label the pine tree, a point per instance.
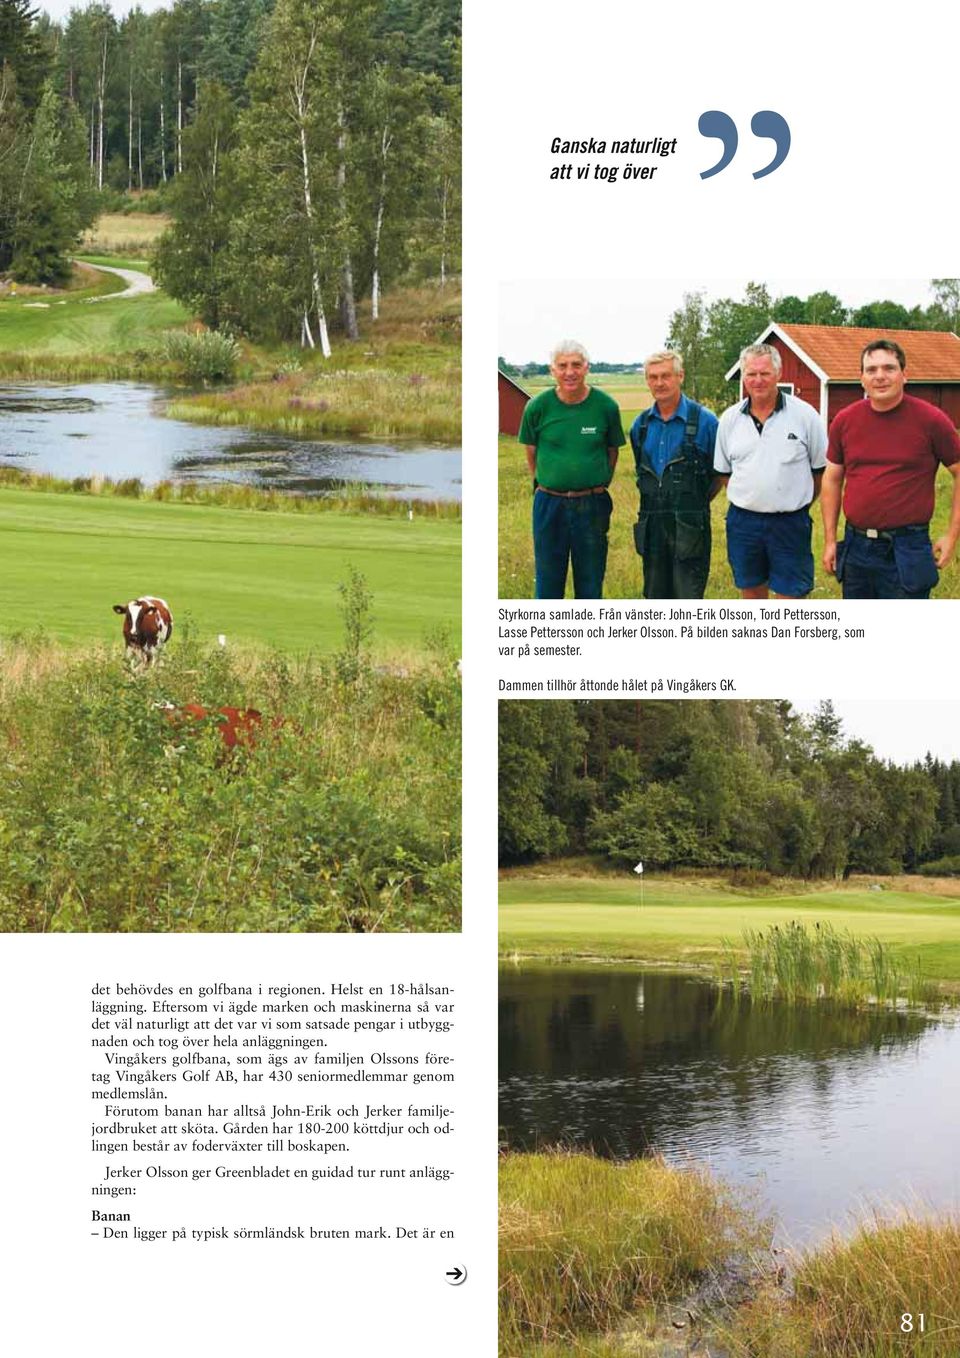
(192, 258)
(289, 247)
(22, 50)
(50, 198)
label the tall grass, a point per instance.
(800, 964)
(585, 1243)
(623, 577)
(342, 817)
(126, 232)
(348, 498)
(32, 366)
(401, 379)
(373, 401)
(850, 1297)
(201, 356)
(590, 1252)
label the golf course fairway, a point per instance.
(686, 922)
(262, 578)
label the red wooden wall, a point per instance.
(806, 384)
(512, 403)
(944, 395)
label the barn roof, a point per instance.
(932, 355)
(833, 351)
(502, 375)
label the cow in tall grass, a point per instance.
(147, 627)
(239, 728)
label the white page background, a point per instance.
(867, 192)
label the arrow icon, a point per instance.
(455, 1276)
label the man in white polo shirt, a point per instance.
(771, 451)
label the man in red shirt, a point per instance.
(883, 459)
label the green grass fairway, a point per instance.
(685, 923)
(261, 578)
(73, 328)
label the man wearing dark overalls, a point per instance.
(673, 446)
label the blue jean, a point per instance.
(898, 567)
(570, 532)
(771, 549)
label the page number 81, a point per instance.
(765, 124)
(907, 1323)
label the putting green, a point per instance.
(689, 922)
(261, 577)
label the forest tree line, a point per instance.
(718, 784)
(309, 150)
(711, 335)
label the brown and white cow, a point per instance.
(237, 726)
(147, 626)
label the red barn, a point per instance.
(512, 401)
(821, 364)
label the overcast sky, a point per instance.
(901, 731)
(59, 9)
(620, 321)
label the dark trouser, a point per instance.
(771, 549)
(570, 531)
(675, 549)
(897, 566)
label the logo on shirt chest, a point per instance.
(589, 429)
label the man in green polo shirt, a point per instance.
(572, 435)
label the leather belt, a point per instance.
(572, 494)
(887, 534)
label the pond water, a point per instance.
(825, 1115)
(118, 430)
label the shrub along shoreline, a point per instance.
(617, 1259)
(589, 1247)
(400, 380)
(347, 499)
(374, 402)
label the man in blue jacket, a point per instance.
(673, 443)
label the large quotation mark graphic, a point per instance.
(719, 125)
(765, 124)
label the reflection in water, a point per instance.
(117, 430)
(825, 1112)
(19, 403)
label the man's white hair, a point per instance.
(762, 351)
(568, 346)
(666, 356)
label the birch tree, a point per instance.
(291, 133)
(102, 31)
(442, 222)
(349, 34)
(135, 41)
(184, 29)
(396, 131)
